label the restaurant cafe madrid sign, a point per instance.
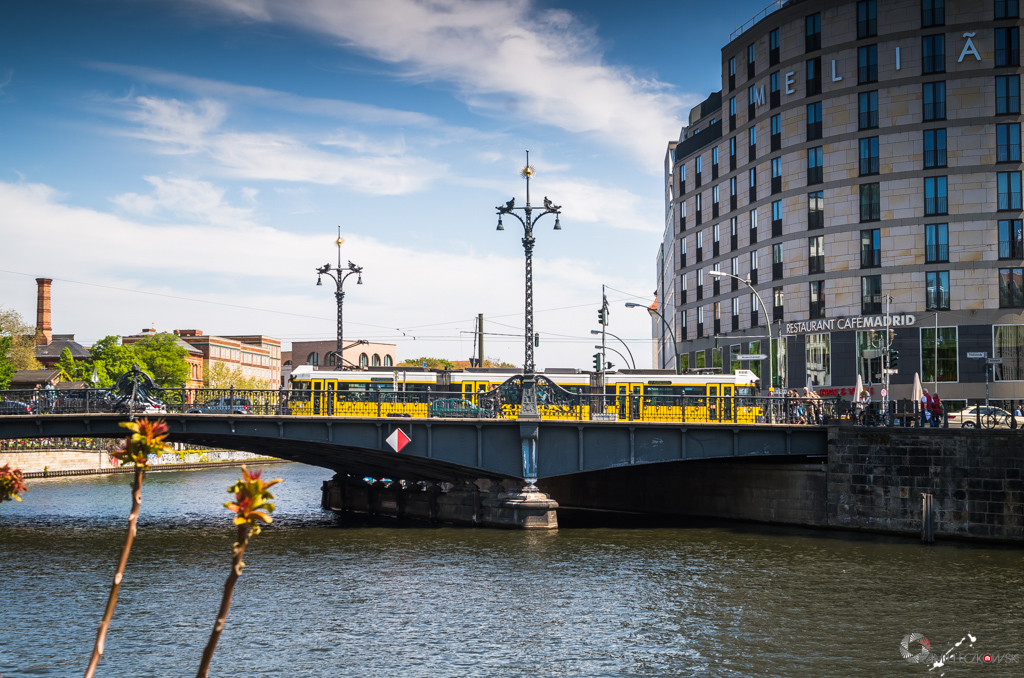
(856, 322)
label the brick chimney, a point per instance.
(44, 332)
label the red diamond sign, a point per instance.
(398, 440)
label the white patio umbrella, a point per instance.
(918, 389)
(858, 388)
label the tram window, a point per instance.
(745, 391)
(694, 390)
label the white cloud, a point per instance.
(504, 57)
(8, 76)
(231, 260)
(361, 165)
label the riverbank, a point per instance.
(156, 468)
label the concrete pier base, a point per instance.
(483, 502)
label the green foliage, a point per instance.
(251, 505)
(73, 371)
(20, 352)
(432, 363)
(6, 368)
(12, 484)
(220, 375)
(112, 359)
(146, 438)
(164, 359)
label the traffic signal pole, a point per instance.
(604, 325)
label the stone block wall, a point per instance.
(35, 461)
(875, 479)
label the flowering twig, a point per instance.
(147, 437)
(12, 483)
(251, 507)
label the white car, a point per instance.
(989, 416)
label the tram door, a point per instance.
(470, 389)
(628, 397)
(318, 396)
(727, 403)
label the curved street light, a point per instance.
(723, 274)
(528, 410)
(339, 275)
(631, 358)
(655, 312)
(616, 350)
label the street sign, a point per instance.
(752, 356)
(892, 370)
(977, 354)
(995, 361)
(397, 440)
(884, 392)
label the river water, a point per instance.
(320, 597)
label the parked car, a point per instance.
(455, 407)
(225, 405)
(989, 416)
(14, 407)
(84, 400)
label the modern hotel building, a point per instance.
(861, 168)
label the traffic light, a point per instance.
(609, 366)
(894, 358)
(602, 316)
(536, 338)
(597, 362)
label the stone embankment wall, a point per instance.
(35, 461)
(876, 477)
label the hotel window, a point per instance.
(734, 269)
(1007, 94)
(871, 295)
(936, 291)
(813, 77)
(934, 148)
(819, 359)
(1007, 9)
(1008, 46)
(816, 210)
(733, 233)
(871, 248)
(714, 202)
(816, 254)
(938, 352)
(814, 121)
(1008, 187)
(868, 108)
(732, 153)
(778, 304)
(755, 308)
(777, 262)
(714, 239)
(1011, 239)
(934, 97)
(773, 47)
(933, 54)
(714, 162)
(700, 284)
(698, 213)
(732, 74)
(753, 267)
(751, 59)
(753, 185)
(752, 142)
(812, 34)
(700, 246)
(870, 202)
(935, 195)
(817, 309)
(815, 173)
(869, 356)
(776, 218)
(776, 132)
(735, 308)
(1008, 344)
(869, 156)
(867, 19)
(716, 283)
(1008, 142)
(776, 175)
(753, 226)
(936, 243)
(933, 13)
(732, 113)
(1011, 288)
(775, 97)
(867, 64)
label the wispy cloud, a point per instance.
(503, 56)
(191, 199)
(6, 80)
(365, 166)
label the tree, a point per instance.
(432, 363)
(164, 359)
(222, 376)
(111, 359)
(20, 352)
(6, 368)
(73, 371)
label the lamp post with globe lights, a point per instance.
(339, 275)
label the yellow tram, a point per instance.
(632, 395)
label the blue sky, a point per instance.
(191, 162)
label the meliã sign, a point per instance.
(856, 322)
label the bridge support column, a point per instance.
(483, 503)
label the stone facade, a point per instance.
(973, 255)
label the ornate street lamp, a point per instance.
(339, 275)
(656, 312)
(528, 410)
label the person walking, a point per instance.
(936, 410)
(926, 406)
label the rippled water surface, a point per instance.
(323, 598)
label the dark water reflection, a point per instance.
(322, 599)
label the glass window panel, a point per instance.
(938, 352)
(869, 355)
(1008, 344)
(819, 359)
